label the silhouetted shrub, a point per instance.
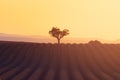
(94, 42)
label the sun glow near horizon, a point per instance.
(84, 18)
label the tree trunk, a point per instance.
(58, 41)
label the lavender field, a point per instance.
(37, 61)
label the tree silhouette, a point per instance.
(57, 33)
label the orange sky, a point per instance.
(84, 18)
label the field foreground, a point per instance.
(33, 61)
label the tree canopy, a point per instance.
(57, 33)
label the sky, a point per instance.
(84, 18)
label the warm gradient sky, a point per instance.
(84, 18)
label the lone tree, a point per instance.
(57, 33)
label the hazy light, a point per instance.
(84, 18)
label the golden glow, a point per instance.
(84, 18)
